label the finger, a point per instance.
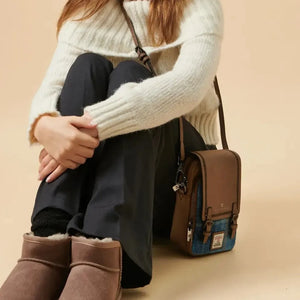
(48, 169)
(87, 115)
(45, 161)
(67, 163)
(43, 153)
(77, 159)
(87, 140)
(85, 151)
(81, 121)
(56, 173)
(90, 131)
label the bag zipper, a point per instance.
(189, 235)
(193, 202)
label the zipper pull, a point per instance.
(189, 231)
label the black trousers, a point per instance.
(125, 190)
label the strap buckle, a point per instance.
(233, 223)
(143, 56)
(207, 227)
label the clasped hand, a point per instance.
(68, 141)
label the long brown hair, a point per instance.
(164, 16)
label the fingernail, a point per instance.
(93, 122)
(48, 178)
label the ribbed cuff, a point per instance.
(117, 114)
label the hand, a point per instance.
(91, 131)
(49, 165)
(70, 140)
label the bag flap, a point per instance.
(221, 179)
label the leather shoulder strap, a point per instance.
(143, 56)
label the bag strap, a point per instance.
(143, 57)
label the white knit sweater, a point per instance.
(185, 68)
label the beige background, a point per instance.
(260, 86)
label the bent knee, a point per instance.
(129, 64)
(91, 59)
(131, 68)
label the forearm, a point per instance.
(147, 104)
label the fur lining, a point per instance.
(104, 240)
(56, 236)
(59, 236)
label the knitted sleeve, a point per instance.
(45, 99)
(152, 102)
(159, 99)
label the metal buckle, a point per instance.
(180, 178)
(142, 54)
(138, 48)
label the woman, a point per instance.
(110, 136)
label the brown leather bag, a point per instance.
(207, 186)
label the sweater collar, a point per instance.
(107, 32)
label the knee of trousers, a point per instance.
(131, 67)
(88, 60)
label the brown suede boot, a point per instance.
(96, 269)
(42, 270)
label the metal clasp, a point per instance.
(180, 179)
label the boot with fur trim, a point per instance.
(95, 270)
(42, 270)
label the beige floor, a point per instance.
(259, 81)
